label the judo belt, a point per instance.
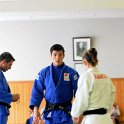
(58, 106)
(100, 111)
(5, 104)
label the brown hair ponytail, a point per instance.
(91, 56)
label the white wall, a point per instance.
(30, 41)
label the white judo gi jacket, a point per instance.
(95, 90)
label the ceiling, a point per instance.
(60, 9)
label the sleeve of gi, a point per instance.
(74, 78)
(112, 96)
(5, 96)
(37, 91)
(81, 100)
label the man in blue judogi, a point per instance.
(56, 83)
(6, 61)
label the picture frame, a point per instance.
(80, 45)
(79, 68)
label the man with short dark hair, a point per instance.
(57, 83)
(6, 61)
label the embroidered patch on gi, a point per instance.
(66, 77)
(75, 77)
(100, 76)
(49, 115)
(37, 78)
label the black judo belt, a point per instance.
(100, 111)
(58, 106)
(5, 104)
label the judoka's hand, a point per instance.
(41, 122)
(78, 120)
(34, 122)
(38, 122)
(15, 97)
(36, 114)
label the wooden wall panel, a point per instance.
(119, 96)
(20, 111)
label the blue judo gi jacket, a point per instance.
(44, 87)
(5, 99)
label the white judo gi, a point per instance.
(95, 90)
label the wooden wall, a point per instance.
(119, 96)
(20, 111)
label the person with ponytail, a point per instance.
(95, 93)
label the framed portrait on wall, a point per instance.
(80, 45)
